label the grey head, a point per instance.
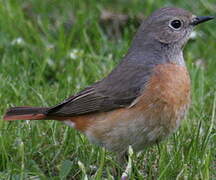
(162, 36)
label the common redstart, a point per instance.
(143, 100)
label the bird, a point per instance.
(143, 99)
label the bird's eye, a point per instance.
(175, 24)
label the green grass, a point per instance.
(36, 38)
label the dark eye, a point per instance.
(175, 24)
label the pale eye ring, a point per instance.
(175, 24)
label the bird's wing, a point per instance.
(88, 101)
(118, 90)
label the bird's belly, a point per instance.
(138, 129)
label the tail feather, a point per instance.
(25, 113)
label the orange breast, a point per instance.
(167, 94)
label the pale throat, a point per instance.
(173, 54)
(178, 59)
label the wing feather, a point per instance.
(117, 90)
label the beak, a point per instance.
(201, 19)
